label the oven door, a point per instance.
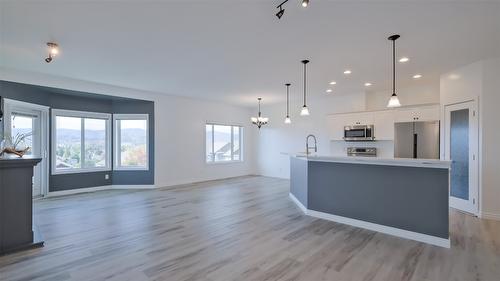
(358, 133)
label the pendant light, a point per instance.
(287, 118)
(394, 100)
(305, 110)
(259, 121)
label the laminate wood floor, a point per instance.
(237, 229)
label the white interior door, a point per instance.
(461, 147)
(23, 118)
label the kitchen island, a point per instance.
(401, 197)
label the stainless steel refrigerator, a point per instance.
(416, 140)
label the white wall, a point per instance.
(422, 92)
(277, 139)
(480, 81)
(180, 140)
(179, 128)
(490, 176)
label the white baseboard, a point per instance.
(433, 240)
(298, 203)
(77, 190)
(125, 186)
(490, 216)
(97, 188)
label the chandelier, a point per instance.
(259, 121)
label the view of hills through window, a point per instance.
(133, 138)
(23, 125)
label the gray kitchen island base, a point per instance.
(407, 199)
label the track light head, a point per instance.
(53, 51)
(305, 3)
(280, 13)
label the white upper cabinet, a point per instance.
(363, 118)
(336, 125)
(337, 122)
(383, 122)
(425, 113)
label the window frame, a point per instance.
(117, 140)
(240, 138)
(83, 115)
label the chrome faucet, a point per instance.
(307, 144)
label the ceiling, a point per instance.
(235, 51)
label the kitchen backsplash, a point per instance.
(385, 149)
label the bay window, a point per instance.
(131, 136)
(81, 141)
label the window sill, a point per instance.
(79, 171)
(225, 162)
(143, 169)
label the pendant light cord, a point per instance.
(259, 106)
(394, 67)
(305, 83)
(287, 100)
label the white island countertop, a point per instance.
(407, 162)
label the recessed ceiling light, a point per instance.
(417, 76)
(305, 3)
(329, 90)
(404, 59)
(368, 84)
(347, 72)
(333, 83)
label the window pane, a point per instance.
(208, 143)
(133, 140)
(95, 143)
(68, 142)
(22, 125)
(222, 143)
(236, 143)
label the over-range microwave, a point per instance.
(359, 133)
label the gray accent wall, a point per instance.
(82, 101)
(409, 198)
(137, 177)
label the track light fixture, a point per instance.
(53, 51)
(280, 13)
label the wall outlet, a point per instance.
(106, 176)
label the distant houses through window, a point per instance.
(223, 143)
(81, 141)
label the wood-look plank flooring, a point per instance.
(237, 229)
